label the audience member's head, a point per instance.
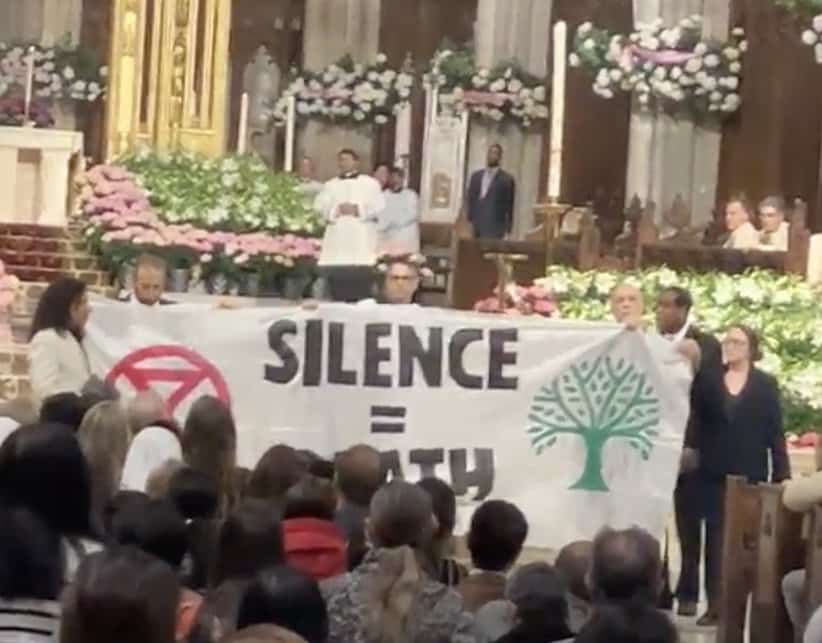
(400, 282)
(628, 623)
(67, 409)
(311, 497)
(150, 279)
(43, 468)
(104, 439)
(625, 566)
(444, 502)
(539, 594)
(263, 634)
(280, 468)
(210, 443)
(152, 447)
(122, 501)
(30, 557)
(772, 213)
(496, 536)
(155, 527)
(241, 479)
(401, 514)
(123, 595)
(672, 309)
(144, 409)
(194, 493)
(19, 409)
(627, 305)
(159, 481)
(359, 474)
(573, 562)
(63, 307)
(737, 213)
(251, 538)
(286, 597)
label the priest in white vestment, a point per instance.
(399, 222)
(350, 203)
(742, 235)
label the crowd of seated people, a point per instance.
(121, 525)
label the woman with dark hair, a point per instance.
(539, 594)
(122, 595)
(210, 445)
(286, 597)
(279, 469)
(444, 502)
(249, 540)
(43, 469)
(57, 358)
(31, 578)
(742, 416)
(393, 595)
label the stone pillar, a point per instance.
(332, 30)
(670, 156)
(520, 30)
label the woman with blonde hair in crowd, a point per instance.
(104, 438)
(393, 596)
(210, 445)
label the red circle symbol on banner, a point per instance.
(136, 369)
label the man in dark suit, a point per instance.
(149, 282)
(672, 316)
(490, 199)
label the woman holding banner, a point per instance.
(57, 357)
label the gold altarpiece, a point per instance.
(168, 76)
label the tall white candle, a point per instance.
(557, 109)
(242, 135)
(402, 140)
(290, 128)
(29, 82)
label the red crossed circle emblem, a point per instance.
(141, 370)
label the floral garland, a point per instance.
(505, 93)
(121, 222)
(60, 72)
(347, 92)
(521, 300)
(674, 68)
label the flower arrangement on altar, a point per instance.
(58, 73)
(346, 91)
(812, 37)
(672, 68)
(505, 93)
(785, 309)
(13, 112)
(9, 292)
(520, 300)
(123, 217)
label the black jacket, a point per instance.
(710, 370)
(493, 215)
(737, 441)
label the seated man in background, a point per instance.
(742, 235)
(774, 235)
(149, 282)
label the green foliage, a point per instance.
(785, 309)
(801, 7)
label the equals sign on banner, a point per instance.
(387, 419)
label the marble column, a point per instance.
(506, 30)
(334, 28)
(671, 156)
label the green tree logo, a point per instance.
(598, 401)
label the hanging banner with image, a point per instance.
(579, 424)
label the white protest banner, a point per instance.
(579, 424)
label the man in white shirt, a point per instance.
(149, 282)
(350, 204)
(742, 235)
(399, 222)
(774, 235)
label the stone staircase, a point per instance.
(37, 255)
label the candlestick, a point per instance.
(557, 109)
(242, 135)
(29, 84)
(290, 127)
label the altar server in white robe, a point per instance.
(399, 222)
(351, 203)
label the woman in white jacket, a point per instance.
(57, 358)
